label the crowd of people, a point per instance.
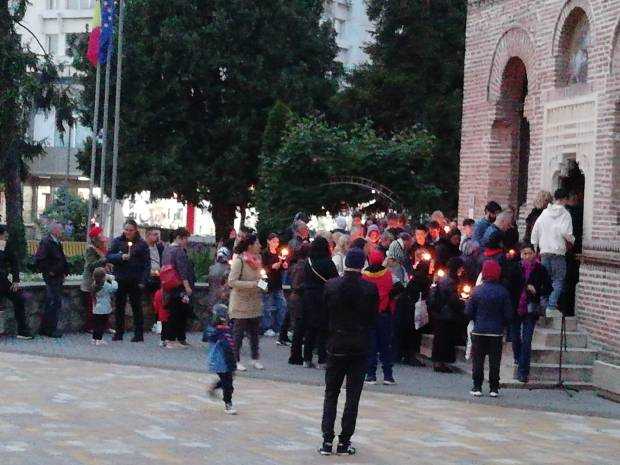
(345, 300)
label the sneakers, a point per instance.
(370, 380)
(229, 409)
(309, 365)
(258, 365)
(211, 393)
(327, 448)
(117, 337)
(389, 381)
(185, 343)
(345, 449)
(240, 367)
(476, 393)
(138, 338)
(270, 333)
(322, 366)
(494, 394)
(25, 335)
(282, 343)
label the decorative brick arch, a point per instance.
(614, 62)
(515, 42)
(568, 8)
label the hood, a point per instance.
(555, 211)
(491, 271)
(375, 258)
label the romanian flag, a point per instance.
(95, 31)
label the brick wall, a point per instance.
(538, 33)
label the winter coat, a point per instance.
(139, 263)
(103, 298)
(530, 221)
(480, 228)
(539, 279)
(51, 261)
(92, 260)
(444, 301)
(177, 257)
(220, 349)
(490, 308)
(245, 295)
(445, 250)
(8, 265)
(382, 278)
(352, 306)
(298, 276)
(313, 305)
(553, 228)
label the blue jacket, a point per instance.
(480, 228)
(490, 308)
(139, 264)
(220, 355)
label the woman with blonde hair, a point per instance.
(543, 199)
(340, 252)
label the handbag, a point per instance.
(420, 317)
(169, 278)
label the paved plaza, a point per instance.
(62, 411)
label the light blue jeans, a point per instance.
(274, 310)
(556, 267)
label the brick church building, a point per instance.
(541, 110)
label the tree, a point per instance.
(67, 207)
(312, 151)
(28, 82)
(415, 77)
(199, 79)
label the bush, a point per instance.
(202, 260)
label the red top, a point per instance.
(383, 280)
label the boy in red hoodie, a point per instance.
(381, 334)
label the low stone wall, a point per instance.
(606, 379)
(73, 314)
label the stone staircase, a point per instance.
(577, 359)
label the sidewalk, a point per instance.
(411, 381)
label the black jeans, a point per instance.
(251, 326)
(53, 304)
(18, 301)
(481, 347)
(286, 324)
(176, 326)
(129, 288)
(225, 383)
(354, 369)
(100, 323)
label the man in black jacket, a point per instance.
(352, 304)
(10, 290)
(52, 263)
(129, 254)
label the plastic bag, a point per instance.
(470, 329)
(420, 317)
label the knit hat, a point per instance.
(222, 255)
(491, 271)
(375, 257)
(371, 228)
(355, 259)
(95, 231)
(219, 314)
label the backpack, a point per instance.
(169, 278)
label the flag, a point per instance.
(95, 31)
(107, 29)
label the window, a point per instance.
(52, 4)
(61, 140)
(72, 42)
(79, 4)
(52, 43)
(81, 133)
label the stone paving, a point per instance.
(57, 411)
(411, 381)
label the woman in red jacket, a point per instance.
(381, 334)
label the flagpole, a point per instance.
(117, 109)
(104, 145)
(93, 151)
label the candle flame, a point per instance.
(441, 273)
(427, 256)
(284, 252)
(466, 289)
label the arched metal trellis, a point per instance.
(375, 187)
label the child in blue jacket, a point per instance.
(221, 356)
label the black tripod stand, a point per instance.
(563, 347)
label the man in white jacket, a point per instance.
(552, 234)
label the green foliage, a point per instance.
(69, 207)
(415, 78)
(202, 260)
(199, 79)
(312, 151)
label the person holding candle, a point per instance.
(129, 254)
(274, 303)
(447, 248)
(245, 297)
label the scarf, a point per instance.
(254, 261)
(527, 268)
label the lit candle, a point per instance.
(263, 274)
(427, 256)
(466, 289)
(446, 229)
(129, 244)
(283, 253)
(512, 252)
(441, 273)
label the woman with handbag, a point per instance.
(245, 305)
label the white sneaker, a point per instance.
(101, 342)
(240, 367)
(494, 394)
(476, 393)
(258, 365)
(229, 409)
(270, 333)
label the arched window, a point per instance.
(575, 44)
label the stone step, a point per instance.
(556, 323)
(575, 356)
(549, 372)
(532, 384)
(551, 338)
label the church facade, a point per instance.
(541, 110)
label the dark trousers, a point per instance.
(309, 337)
(354, 369)
(286, 324)
(129, 289)
(100, 324)
(176, 326)
(18, 301)
(523, 331)
(481, 347)
(406, 339)
(251, 327)
(445, 336)
(225, 383)
(87, 302)
(381, 343)
(53, 303)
